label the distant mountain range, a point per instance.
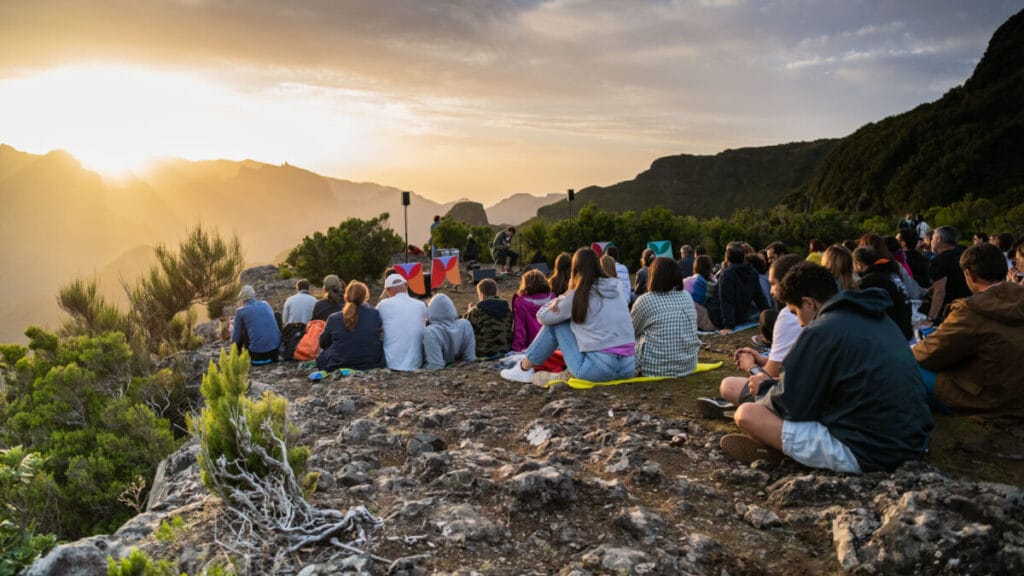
(971, 141)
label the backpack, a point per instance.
(290, 338)
(309, 346)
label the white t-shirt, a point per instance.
(403, 320)
(787, 328)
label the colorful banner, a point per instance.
(661, 248)
(600, 247)
(413, 274)
(445, 268)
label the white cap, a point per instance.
(393, 280)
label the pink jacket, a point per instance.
(524, 318)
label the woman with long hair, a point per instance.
(665, 324)
(646, 259)
(334, 297)
(351, 338)
(534, 292)
(560, 279)
(887, 261)
(588, 323)
(839, 262)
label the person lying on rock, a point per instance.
(969, 363)
(850, 398)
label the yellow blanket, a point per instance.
(586, 384)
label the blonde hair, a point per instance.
(839, 261)
(355, 294)
(608, 266)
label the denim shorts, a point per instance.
(811, 444)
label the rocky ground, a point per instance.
(473, 474)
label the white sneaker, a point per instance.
(517, 374)
(511, 359)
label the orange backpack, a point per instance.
(309, 346)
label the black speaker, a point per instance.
(542, 266)
(572, 194)
(405, 198)
(482, 273)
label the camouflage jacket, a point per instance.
(492, 324)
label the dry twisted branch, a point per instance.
(267, 518)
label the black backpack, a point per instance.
(291, 335)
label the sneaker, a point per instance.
(517, 374)
(511, 359)
(743, 448)
(714, 408)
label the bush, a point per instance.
(70, 402)
(138, 563)
(203, 270)
(355, 250)
(90, 313)
(224, 389)
(21, 482)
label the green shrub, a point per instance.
(355, 249)
(224, 388)
(71, 402)
(21, 483)
(203, 270)
(89, 311)
(19, 547)
(138, 563)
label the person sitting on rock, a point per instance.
(948, 283)
(298, 308)
(665, 324)
(559, 279)
(642, 275)
(850, 398)
(501, 249)
(403, 320)
(877, 272)
(472, 253)
(969, 362)
(255, 328)
(352, 337)
(686, 259)
(588, 324)
(334, 298)
(491, 318)
(447, 337)
(784, 329)
(534, 292)
(621, 272)
(740, 298)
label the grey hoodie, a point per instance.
(608, 322)
(447, 337)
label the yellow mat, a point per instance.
(580, 384)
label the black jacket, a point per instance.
(739, 292)
(851, 370)
(900, 311)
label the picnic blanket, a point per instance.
(580, 384)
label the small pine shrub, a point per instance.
(224, 387)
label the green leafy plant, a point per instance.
(224, 387)
(138, 563)
(355, 249)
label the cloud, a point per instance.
(670, 76)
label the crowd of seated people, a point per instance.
(857, 344)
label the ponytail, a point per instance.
(355, 294)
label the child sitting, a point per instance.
(491, 318)
(534, 292)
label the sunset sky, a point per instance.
(467, 99)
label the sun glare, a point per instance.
(115, 119)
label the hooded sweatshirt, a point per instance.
(739, 292)
(446, 337)
(852, 371)
(492, 323)
(975, 352)
(524, 318)
(608, 323)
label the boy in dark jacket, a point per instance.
(739, 292)
(851, 397)
(491, 318)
